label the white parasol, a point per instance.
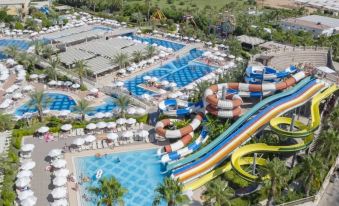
(131, 121)
(27, 165)
(55, 152)
(66, 127)
(101, 125)
(60, 163)
(25, 194)
(61, 173)
(90, 138)
(24, 173)
(22, 182)
(27, 147)
(78, 141)
(59, 192)
(59, 181)
(121, 121)
(112, 136)
(91, 126)
(43, 129)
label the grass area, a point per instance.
(200, 4)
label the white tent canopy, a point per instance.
(22, 182)
(60, 163)
(59, 181)
(28, 165)
(24, 173)
(78, 141)
(25, 194)
(27, 147)
(61, 173)
(55, 152)
(59, 192)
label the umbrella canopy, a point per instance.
(78, 141)
(173, 84)
(121, 121)
(91, 126)
(154, 79)
(127, 134)
(99, 115)
(25, 194)
(164, 82)
(28, 88)
(66, 127)
(112, 136)
(64, 112)
(90, 138)
(55, 152)
(43, 129)
(76, 86)
(22, 182)
(111, 124)
(119, 84)
(17, 95)
(140, 111)
(131, 110)
(27, 147)
(144, 133)
(61, 202)
(147, 78)
(61, 173)
(52, 83)
(60, 163)
(24, 173)
(59, 181)
(94, 90)
(101, 125)
(131, 121)
(29, 201)
(27, 165)
(59, 192)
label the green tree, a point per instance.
(137, 56)
(122, 103)
(278, 178)
(6, 121)
(150, 51)
(47, 51)
(312, 171)
(110, 192)
(52, 68)
(199, 91)
(12, 51)
(38, 47)
(234, 46)
(329, 144)
(82, 108)
(33, 60)
(170, 191)
(120, 59)
(39, 101)
(217, 193)
(80, 68)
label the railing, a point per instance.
(299, 201)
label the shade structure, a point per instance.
(119, 84)
(131, 110)
(154, 79)
(64, 112)
(43, 129)
(59, 192)
(91, 126)
(25, 194)
(146, 96)
(111, 124)
(61, 202)
(66, 127)
(108, 114)
(112, 136)
(164, 82)
(22, 182)
(146, 77)
(172, 84)
(59, 181)
(94, 90)
(61, 173)
(52, 83)
(131, 121)
(121, 121)
(60, 163)
(55, 153)
(33, 76)
(144, 133)
(68, 83)
(76, 86)
(17, 95)
(27, 165)
(99, 115)
(24, 173)
(29, 201)
(28, 88)
(78, 141)
(101, 125)
(90, 138)
(127, 134)
(27, 147)
(140, 111)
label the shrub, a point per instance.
(16, 140)
(13, 157)
(20, 124)
(232, 177)
(18, 25)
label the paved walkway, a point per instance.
(331, 195)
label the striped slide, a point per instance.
(258, 74)
(178, 108)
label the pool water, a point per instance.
(182, 71)
(138, 171)
(21, 44)
(108, 106)
(160, 42)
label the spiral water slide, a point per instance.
(178, 108)
(230, 105)
(258, 74)
(218, 154)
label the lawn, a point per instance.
(184, 3)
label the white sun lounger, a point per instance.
(94, 145)
(99, 144)
(104, 144)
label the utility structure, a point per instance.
(224, 26)
(189, 19)
(158, 15)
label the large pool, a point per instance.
(21, 44)
(60, 102)
(182, 71)
(138, 171)
(168, 44)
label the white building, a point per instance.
(14, 5)
(318, 25)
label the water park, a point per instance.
(97, 110)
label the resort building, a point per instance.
(249, 42)
(15, 5)
(317, 25)
(331, 6)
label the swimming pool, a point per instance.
(168, 44)
(138, 171)
(21, 44)
(181, 71)
(64, 102)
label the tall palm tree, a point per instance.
(6, 121)
(12, 51)
(312, 166)
(110, 192)
(278, 178)
(199, 91)
(150, 51)
(33, 60)
(23, 58)
(334, 117)
(217, 193)
(170, 191)
(38, 47)
(122, 103)
(120, 59)
(39, 101)
(51, 69)
(82, 108)
(329, 144)
(47, 51)
(81, 70)
(137, 56)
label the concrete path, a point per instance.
(331, 195)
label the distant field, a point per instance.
(199, 3)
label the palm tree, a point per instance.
(122, 103)
(24, 60)
(38, 47)
(329, 144)
(170, 191)
(137, 56)
(334, 117)
(81, 69)
(278, 178)
(110, 192)
(6, 121)
(12, 51)
(150, 51)
(312, 166)
(199, 91)
(51, 69)
(39, 101)
(47, 51)
(120, 59)
(217, 193)
(82, 108)
(33, 60)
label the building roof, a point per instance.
(250, 40)
(13, 2)
(305, 23)
(332, 5)
(324, 20)
(273, 45)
